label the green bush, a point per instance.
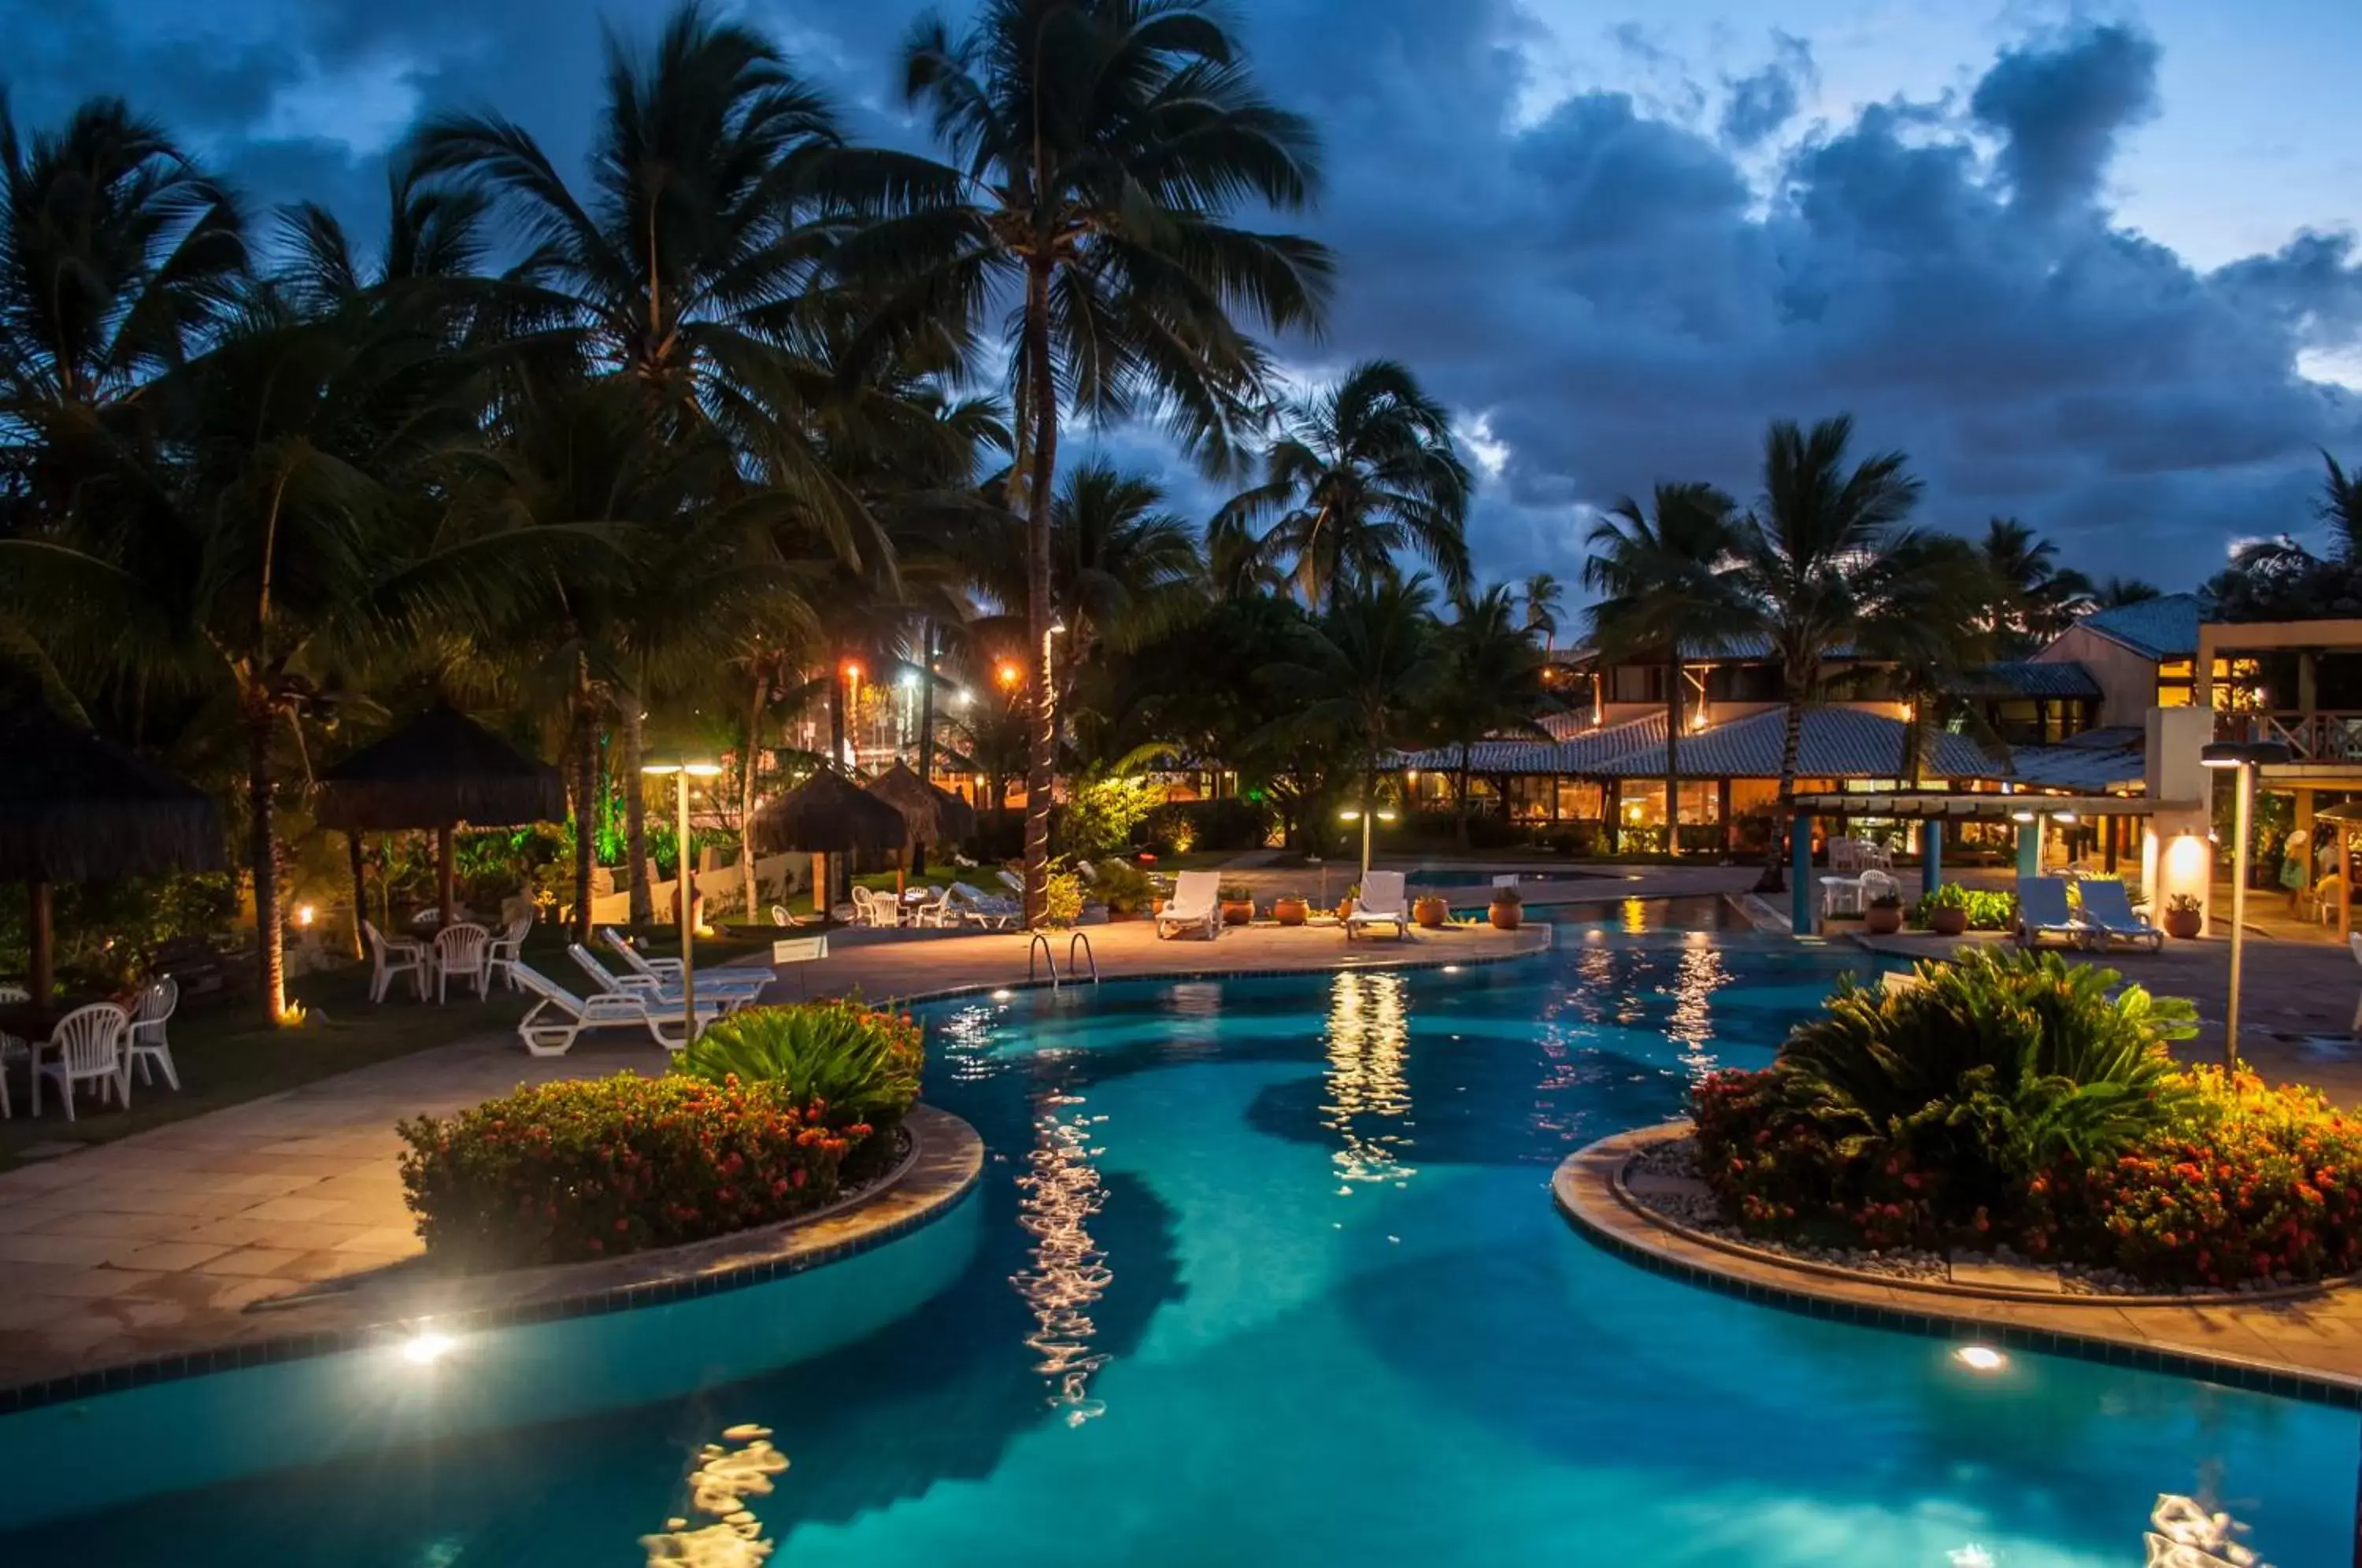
(1123, 887)
(1923, 1113)
(1180, 827)
(587, 1168)
(848, 1063)
(1994, 910)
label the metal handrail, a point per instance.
(1094, 957)
(1049, 959)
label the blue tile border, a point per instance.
(590, 1304)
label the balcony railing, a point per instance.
(2323, 736)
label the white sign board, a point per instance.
(799, 949)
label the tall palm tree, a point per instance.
(1822, 561)
(2118, 591)
(1098, 148)
(1495, 685)
(1545, 599)
(2033, 599)
(1667, 593)
(1366, 672)
(1359, 475)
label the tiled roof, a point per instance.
(1746, 646)
(1579, 751)
(2164, 627)
(1837, 743)
(2026, 678)
(2089, 770)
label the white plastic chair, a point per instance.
(391, 955)
(465, 951)
(507, 948)
(1876, 885)
(550, 1028)
(145, 1042)
(87, 1046)
(1843, 855)
(933, 913)
(864, 907)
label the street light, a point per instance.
(682, 771)
(1363, 816)
(2245, 756)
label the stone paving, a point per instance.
(161, 1240)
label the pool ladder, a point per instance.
(1049, 959)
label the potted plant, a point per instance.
(1125, 890)
(1238, 903)
(1289, 908)
(1430, 911)
(1946, 911)
(1885, 916)
(2184, 916)
(1508, 910)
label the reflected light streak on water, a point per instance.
(1368, 1039)
(1061, 1191)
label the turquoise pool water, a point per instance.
(1266, 1270)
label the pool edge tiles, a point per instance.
(1583, 1189)
(299, 1398)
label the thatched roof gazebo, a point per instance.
(826, 814)
(934, 815)
(440, 770)
(75, 807)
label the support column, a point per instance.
(1722, 814)
(1611, 813)
(2029, 849)
(1931, 854)
(1800, 909)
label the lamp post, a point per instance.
(2245, 756)
(1363, 814)
(684, 892)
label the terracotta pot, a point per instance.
(1506, 917)
(2183, 925)
(1430, 911)
(1290, 911)
(1883, 919)
(1237, 913)
(1948, 923)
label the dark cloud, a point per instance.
(1618, 286)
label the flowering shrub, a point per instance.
(2013, 1100)
(849, 1061)
(564, 1170)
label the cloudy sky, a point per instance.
(2094, 266)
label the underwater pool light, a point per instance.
(1981, 1358)
(426, 1348)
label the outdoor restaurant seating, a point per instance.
(463, 951)
(507, 948)
(85, 1047)
(392, 955)
(145, 1044)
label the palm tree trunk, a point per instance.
(1776, 870)
(635, 809)
(836, 715)
(263, 853)
(1460, 794)
(746, 760)
(585, 742)
(361, 889)
(1673, 754)
(1042, 757)
(926, 722)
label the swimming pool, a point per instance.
(1267, 1271)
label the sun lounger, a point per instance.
(665, 971)
(2109, 914)
(2042, 912)
(1196, 906)
(1382, 902)
(550, 1027)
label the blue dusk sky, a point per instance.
(2092, 266)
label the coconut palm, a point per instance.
(1545, 599)
(1098, 151)
(2031, 598)
(1359, 476)
(1667, 593)
(1495, 686)
(1366, 673)
(2118, 591)
(1822, 561)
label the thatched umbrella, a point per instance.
(75, 807)
(826, 814)
(438, 770)
(932, 814)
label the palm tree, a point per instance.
(1098, 148)
(2118, 591)
(1495, 686)
(1821, 560)
(1359, 475)
(1667, 592)
(2031, 598)
(1545, 603)
(1364, 673)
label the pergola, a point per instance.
(1933, 808)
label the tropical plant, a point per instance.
(846, 1062)
(1359, 476)
(1097, 149)
(2116, 592)
(1545, 600)
(2031, 598)
(1495, 684)
(1363, 673)
(1123, 887)
(1667, 592)
(1822, 561)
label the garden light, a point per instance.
(682, 770)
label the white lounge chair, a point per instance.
(550, 1028)
(2109, 914)
(144, 1042)
(933, 913)
(665, 971)
(463, 950)
(1382, 902)
(87, 1046)
(391, 955)
(1196, 906)
(2042, 912)
(659, 993)
(977, 907)
(1012, 881)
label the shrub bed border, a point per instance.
(940, 1169)
(1588, 1181)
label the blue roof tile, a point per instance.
(2165, 627)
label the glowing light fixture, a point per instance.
(305, 914)
(425, 1348)
(1008, 673)
(2020, 816)
(1981, 1358)
(680, 770)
